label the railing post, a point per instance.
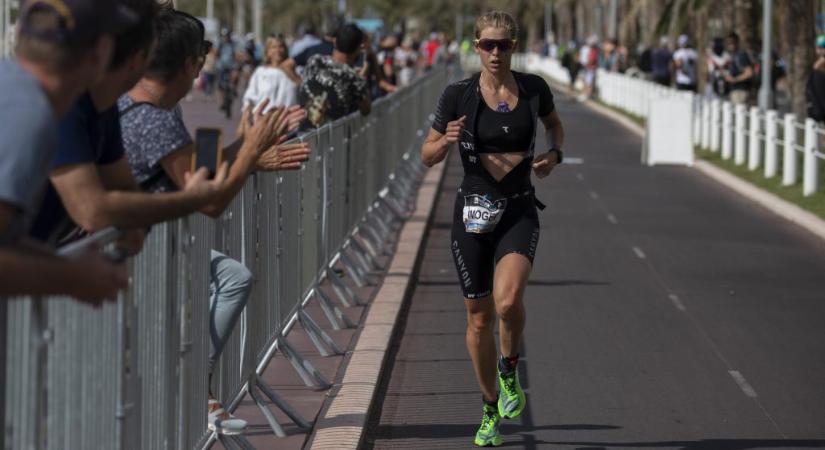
(770, 144)
(715, 124)
(789, 152)
(707, 105)
(810, 168)
(727, 130)
(741, 128)
(754, 152)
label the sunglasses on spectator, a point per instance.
(504, 45)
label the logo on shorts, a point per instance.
(461, 265)
(506, 129)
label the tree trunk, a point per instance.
(797, 44)
(702, 39)
(746, 23)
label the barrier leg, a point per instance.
(308, 373)
(341, 319)
(357, 276)
(283, 406)
(345, 294)
(276, 427)
(322, 341)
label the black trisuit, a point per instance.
(493, 218)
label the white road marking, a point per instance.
(612, 219)
(677, 302)
(639, 253)
(743, 383)
(580, 177)
(575, 161)
(594, 195)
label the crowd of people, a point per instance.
(306, 69)
(733, 72)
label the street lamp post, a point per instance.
(765, 93)
(257, 27)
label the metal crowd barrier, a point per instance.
(133, 374)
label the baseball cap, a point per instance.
(79, 21)
(683, 40)
(820, 41)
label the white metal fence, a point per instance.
(133, 374)
(749, 136)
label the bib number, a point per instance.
(482, 215)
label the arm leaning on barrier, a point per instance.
(81, 271)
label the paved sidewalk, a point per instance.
(664, 312)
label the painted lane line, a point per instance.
(594, 195)
(743, 383)
(612, 219)
(580, 177)
(677, 302)
(575, 161)
(639, 253)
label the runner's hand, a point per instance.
(544, 163)
(454, 130)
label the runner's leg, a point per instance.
(481, 344)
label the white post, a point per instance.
(741, 129)
(698, 106)
(3, 28)
(715, 123)
(810, 164)
(210, 9)
(707, 105)
(765, 93)
(771, 156)
(754, 153)
(727, 130)
(789, 152)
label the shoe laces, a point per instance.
(488, 420)
(509, 383)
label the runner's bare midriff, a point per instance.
(500, 164)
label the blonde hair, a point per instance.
(272, 42)
(497, 19)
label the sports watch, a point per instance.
(558, 152)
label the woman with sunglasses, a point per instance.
(493, 118)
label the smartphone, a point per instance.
(208, 150)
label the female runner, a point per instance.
(493, 117)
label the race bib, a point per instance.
(482, 215)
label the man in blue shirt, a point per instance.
(62, 46)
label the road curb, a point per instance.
(343, 419)
(768, 200)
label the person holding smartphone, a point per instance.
(492, 116)
(160, 152)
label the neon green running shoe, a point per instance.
(487, 434)
(511, 400)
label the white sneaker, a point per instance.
(221, 421)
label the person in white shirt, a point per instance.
(684, 60)
(273, 80)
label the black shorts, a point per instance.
(475, 255)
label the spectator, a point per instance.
(228, 71)
(815, 89)
(91, 184)
(610, 56)
(405, 61)
(386, 58)
(209, 71)
(273, 80)
(431, 48)
(684, 62)
(718, 61)
(54, 64)
(370, 70)
(331, 87)
(660, 62)
(308, 39)
(160, 149)
(589, 58)
(740, 71)
(324, 47)
(570, 61)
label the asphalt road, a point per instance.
(664, 312)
